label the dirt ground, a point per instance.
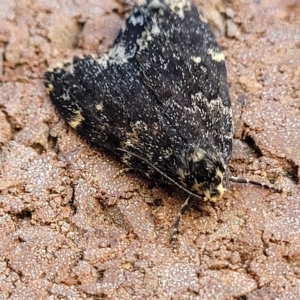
(70, 230)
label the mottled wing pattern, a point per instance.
(184, 67)
(159, 91)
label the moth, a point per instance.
(158, 99)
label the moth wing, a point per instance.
(182, 64)
(150, 95)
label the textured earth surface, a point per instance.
(71, 229)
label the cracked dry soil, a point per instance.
(70, 230)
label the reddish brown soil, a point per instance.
(70, 230)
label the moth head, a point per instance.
(203, 172)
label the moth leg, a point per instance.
(183, 209)
(245, 180)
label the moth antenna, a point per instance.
(162, 173)
(260, 184)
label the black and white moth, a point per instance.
(159, 99)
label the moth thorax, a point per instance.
(203, 173)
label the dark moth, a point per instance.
(159, 99)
